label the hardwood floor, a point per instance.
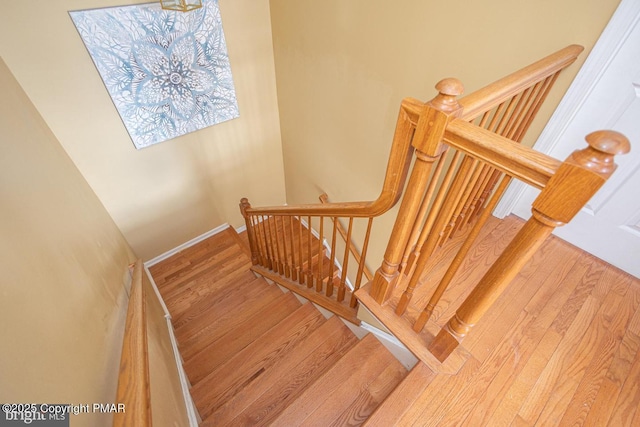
(560, 347)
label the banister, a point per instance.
(493, 94)
(133, 378)
(395, 177)
(519, 161)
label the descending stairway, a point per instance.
(257, 356)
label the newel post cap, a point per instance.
(448, 91)
(603, 146)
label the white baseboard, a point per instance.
(184, 246)
(184, 382)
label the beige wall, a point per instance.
(343, 67)
(166, 194)
(63, 263)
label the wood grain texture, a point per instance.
(133, 379)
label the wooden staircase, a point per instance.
(256, 355)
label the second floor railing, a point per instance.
(463, 153)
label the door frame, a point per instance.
(617, 31)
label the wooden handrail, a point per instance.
(493, 94)
(523, 163)
(352, 248)
(395, 177)
(133, 378)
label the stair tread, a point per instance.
(238, 337)
(227, 296)
(335, 391)
(261, 401)
(402, 397)
(248, 365)
(211, 327)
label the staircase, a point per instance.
(256, 355)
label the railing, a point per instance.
(133, 379)
(466, 153)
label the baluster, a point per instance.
(301, 256)
(426, 202)
(267, 238)
(524, 96)
(294, 268)
(333, 257)
(470, 207)
(500, 129)
(279, 267)
(309, 261)
(468, 186)
(542, 95)
(427, 141)
(256, 230)
(285, 255)
(462, 253)
(361, 264)
(431, 242)
(244, 205)
(345, 265)
(496, 116)
(320, 277)
(433, 213)
(568, 190)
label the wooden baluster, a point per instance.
(333, 256)
(256, 230)
(500, 129)
(418, 225)
(285, 252)
(345, 265)
(267, 241)
(468, 186)
(462, 253)
(301, 275)
(433, 213)
(496, 116)
(279, 267)
(525, 109)
(294, 268)
(542, 95)
(244, 205)
(427, 141)
(361, 266)
(453, 195)
(324, 199)
(515, 117)
(309, 261)
(470, 206)
(568, 190)
(320, 277)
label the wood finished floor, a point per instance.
(257, 356)
(559, 348)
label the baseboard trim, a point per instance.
(184, 246)
(184, 383)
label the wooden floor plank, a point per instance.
(238, 337)
(225, 382)
(328, 390)
(260, 402)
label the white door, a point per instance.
(605, 95)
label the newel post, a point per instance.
(568, 190)
(427, 141)
(244, 205)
